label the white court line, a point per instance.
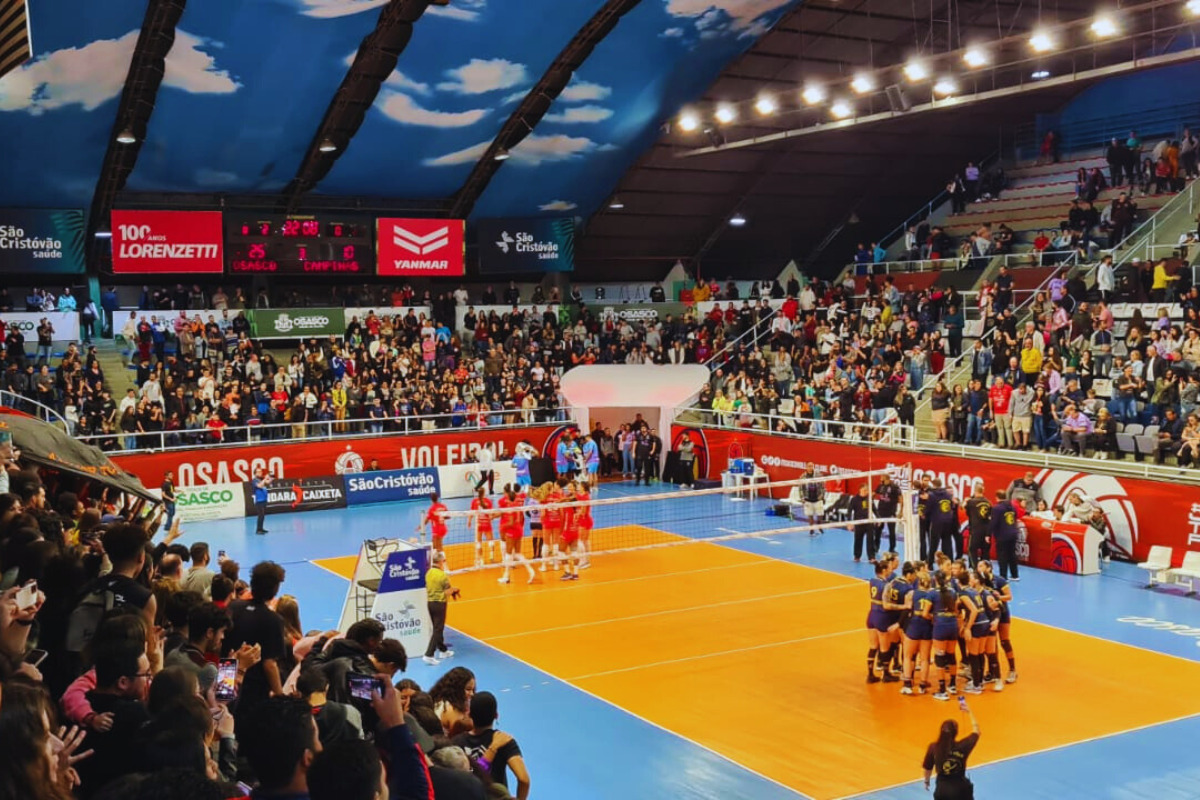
(610, 620)
(703, 656)
(1050, 749)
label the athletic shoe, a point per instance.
(1012, 677)
(586, 565)
(574, 576)
(261, 532)
(965, 673)
(998, 686)
(906, 690)
(503, 579)
(940, 696)
(872, 678)
(972, 689)
(532, 577)
(890, 678)
(566, 576)
(447, 654)
(431, 661)
(542, 568)
(1015, 579)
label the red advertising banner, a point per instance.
(421, 246)
(315, 459)
(1140, 513)
(167, 242)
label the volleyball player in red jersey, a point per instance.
(435, 519)
(512, 530)
(583, 516)
(482, 505)
(552, 522)
(569, 537)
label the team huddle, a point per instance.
(921, 621)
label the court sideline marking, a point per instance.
(1031, 753)
(703, 656)
(723, 603)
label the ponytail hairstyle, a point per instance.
(510, 491)
(880, 568)
(945, 741)
(943, 589)
(908, 569)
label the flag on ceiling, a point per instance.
(15, 44)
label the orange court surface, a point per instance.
(762, 661)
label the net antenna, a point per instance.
(671, 518)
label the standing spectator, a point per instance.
(262, 480)
(1022, 415)
(199, 576)
(971, 181)
(122, 684)
(687, 459)
(279, 739)
(1106, 279)
(958, 195)
(255, 623)
(1116, 155)
(167, 492)
(1048, 153)
(999, 400)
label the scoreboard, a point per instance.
(279, 244)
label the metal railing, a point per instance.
(1095, 133)
(1143, 241)
(1029, 258)
(322, 430)
(892, 433)
(33, 408)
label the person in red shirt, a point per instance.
(569, 538)
(436, 520)
(1040, 243)
(999, 398)
(215, 424)
(512, 529)
(583, 517)
(552, 521)
(482, 505)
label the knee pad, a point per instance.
(1007, 645)
(943, 660)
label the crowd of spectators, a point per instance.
(136, 669)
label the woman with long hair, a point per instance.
(946, 606)
(1003, 589)
(981, 631)
(451, 697)
(918, 633)
(878, 636)
(512, 530)
(948, 758)
(35, 763)
(481, 507)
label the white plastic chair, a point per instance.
(1189, 571)
(1158, 564)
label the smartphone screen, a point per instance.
(220, 554)
(35, 657)
(226, 688)
(28, 595)
(361, 686)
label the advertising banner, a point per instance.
(66, 325)
(165, 242)
(44, 241)
(458, 480)
(420, 247)
(641, 312)
(199, 465)
(539, 244)
(297, 323)
(299, 494)
(401, 602)
(391, 486)
(1139, 513)
(214, 501)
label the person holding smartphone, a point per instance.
(262, 480)
(948, 758)
(169, 497)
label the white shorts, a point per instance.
(813, 510)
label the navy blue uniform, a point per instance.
(920, 624)
(875, 618)
(1005, 534)
(945, 618)
(897, 590)
(943, 522)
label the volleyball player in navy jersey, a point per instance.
(947, 603)
(1005, 595)
(877, 635)
(977, 627)
(918, 633)
(894, 610)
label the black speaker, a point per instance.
(897, 99)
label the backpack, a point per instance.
(97, 600)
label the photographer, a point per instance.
(438, 588)
(948, 757)
(262, 479)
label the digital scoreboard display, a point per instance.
(299, 245)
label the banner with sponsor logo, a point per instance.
(1139, 513)
(66, 324)
(165, 242)
(539, 244)
(640, 312)
(401, 603)
(297, 323)
(299, 494)
(458, 480)
(198, 465)
(212, 501)
(420, 247)
(391, 486)
(43, 241)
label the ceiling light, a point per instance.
(1193, 7)
(1104, 25)
(945, 87)
(1041, 74)
(126, 136)
(737, 220)
(975, 57)
(841, 109)
(726, 114)
(688, 121)
(502, 154)
(616, 203)
(327, 145)
(916, 71)
(813, 93)
(1041, 41)
(765, 105)
(864, 83)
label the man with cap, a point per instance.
(496, 752)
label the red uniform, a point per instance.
(584, 513)
(483, 522)
(512, 517)
(570, 529)
(437, 522)
(552, 517)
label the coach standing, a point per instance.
(979, 517)
(887, 503)
(261, 481)
(860, 511)
(943, 521)
(1005, 533)
(437, 590)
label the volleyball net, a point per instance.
(670, 518)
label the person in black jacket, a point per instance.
(943, 521)
(887, 504)
(979, 517)
(860, 509)
(948, 758)
(1006, 533)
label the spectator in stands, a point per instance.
(999, 401)
(1076, 428)
(1116, 155)
(1049, 150)
(958, 194)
